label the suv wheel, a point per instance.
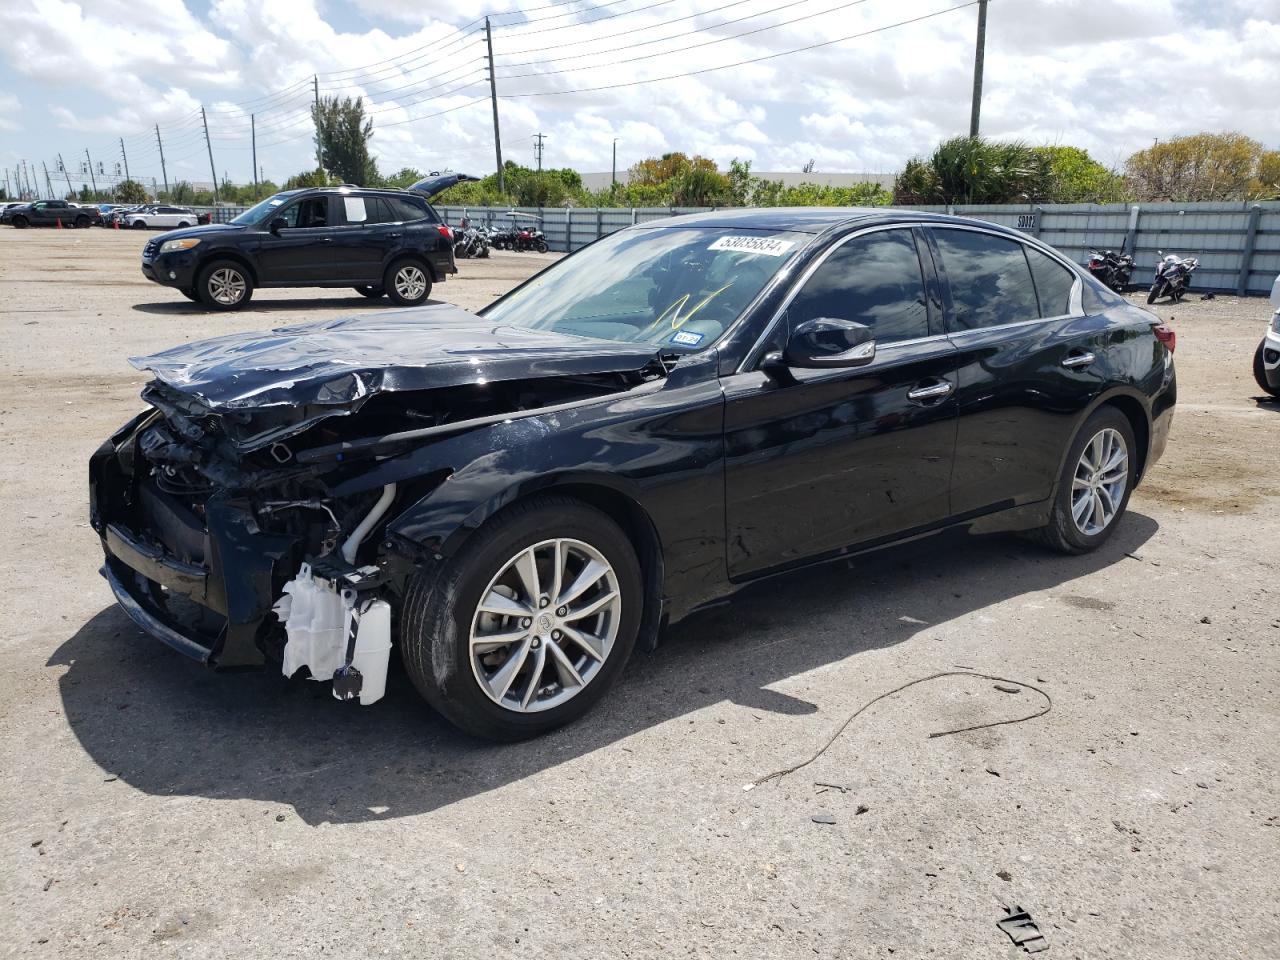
(529, 624)
(407, 283)
(373, 293)
(182, 224)
(224, 285)
(20, 223)
(1093, 491)
(139, 225)
(82, 222)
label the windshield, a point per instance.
(672, 286)
(259, 212)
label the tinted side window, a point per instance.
(312, 212)
(989, 278)
(380, 211)
(405, 209)
(873, 280)
(1053, 283)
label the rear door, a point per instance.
(364, 233)
(302, 251)
(853, 456)
(1029, 363)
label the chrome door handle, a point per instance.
(395, 236)
(1079, 360)
(935, 391)
(326, 239)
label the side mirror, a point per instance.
(830, 343)
(277, 224)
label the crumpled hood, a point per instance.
(340, 363)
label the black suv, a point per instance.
(377, 241)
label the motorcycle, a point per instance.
(1113, 269)
(531, 238)
(472, 242)
(504, 239)
(1173, 277)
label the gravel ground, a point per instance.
(151, 809)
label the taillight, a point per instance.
(1165, 335)
(445, 232)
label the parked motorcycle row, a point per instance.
(476, 241)
(1173, 273)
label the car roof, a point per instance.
(813, 219)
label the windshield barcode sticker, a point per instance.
(768, 246)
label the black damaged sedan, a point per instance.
(517, 498)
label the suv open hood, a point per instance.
(337, 364)
(438, 183)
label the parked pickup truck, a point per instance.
(50, 213)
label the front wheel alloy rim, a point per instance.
(1097, 489)
(410, 282)
(544, 626)
(226, 286)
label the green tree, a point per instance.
(975, 170)
(1266, 184)
(1202, 166)
(130, 191)
(404, 177)
(311, 178)
(342, 134)
(1075, 177)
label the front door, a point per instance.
(848, 457)
(302, 250)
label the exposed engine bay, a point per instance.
(235, 515)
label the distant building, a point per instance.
(599, 181)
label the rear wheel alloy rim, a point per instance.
(410, 282)
(1097, 489)
(545, 625)
(226, 286)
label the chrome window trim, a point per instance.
(751, 360)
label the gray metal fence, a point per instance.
(1238, 244)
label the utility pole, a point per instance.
(125, 157)
(89, 160)
(253, 137)
(66, 173)
(978, 55)
(213, 172)
(493, 93)
(47, 182)
(613, 184)
(315, 110)
(538, 149)
(163, 171)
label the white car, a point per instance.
(1266, 359)
(161, 216)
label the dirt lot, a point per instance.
(151, 809)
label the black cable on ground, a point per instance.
(1048, 705)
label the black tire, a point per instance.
(189, 294)
(1061, 533)
(82, 222)
(139, 225)
(21, 223)
(439, 608)
(1260, 371)
(219, 270)
(1156, 292)
(182, 224)
(373, 293)
(542, 246)
(415, 268)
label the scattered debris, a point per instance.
(460, 866)
(862, 808)
(1005, 875)
(1202, 785)
(1205, 620)
(1003, 689)
(993, 771)
(912, 620)
(823, 817)
(1022, 930)
(279, 818)
(36, 843)
(826, 786)
(110, 779)
(1209, 296)
(47, 884)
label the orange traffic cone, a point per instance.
(59, 223)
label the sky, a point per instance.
(1107, 75)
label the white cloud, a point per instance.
(1057, 71)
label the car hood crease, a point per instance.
(341, 363)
